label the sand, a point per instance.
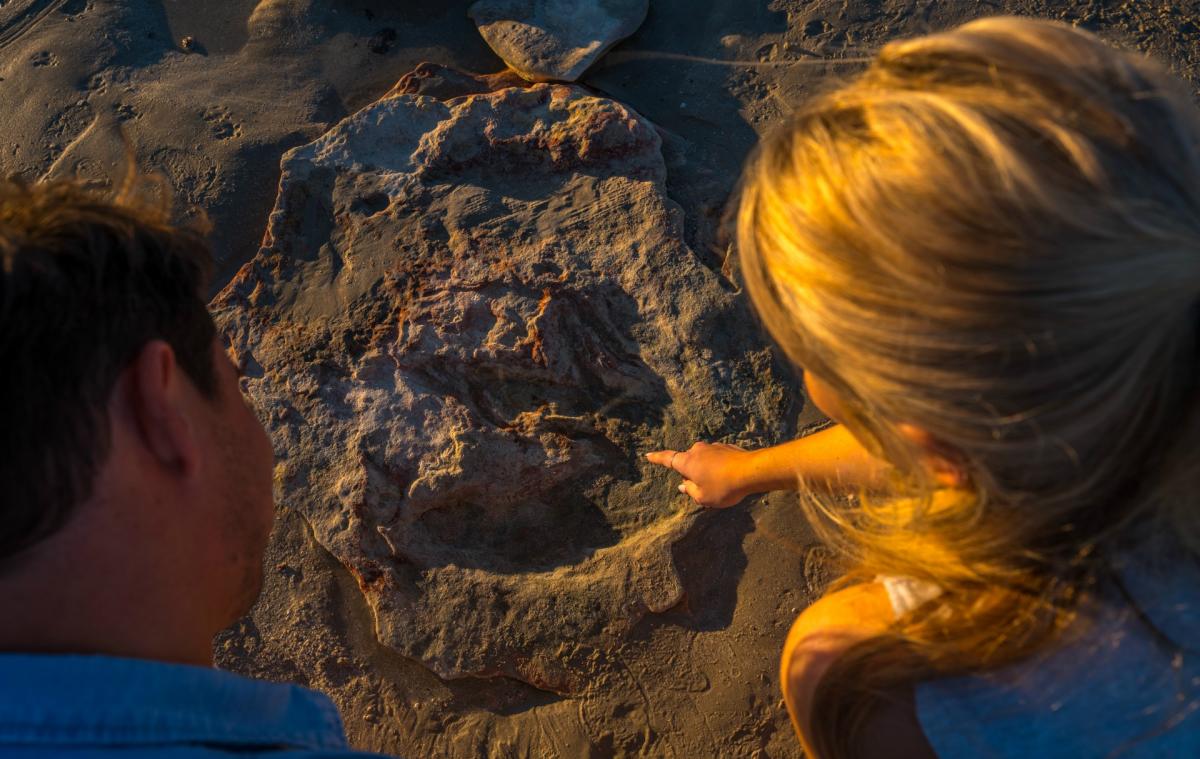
(257, 79)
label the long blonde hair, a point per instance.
(993, 234)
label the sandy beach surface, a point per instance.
(213, 94)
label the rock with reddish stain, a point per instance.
(445, 82)
(555, 40)
(468, 319)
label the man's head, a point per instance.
(130, 461)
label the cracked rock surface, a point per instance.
(556, 40)
(468, 320)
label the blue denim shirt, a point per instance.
(1128, 686)
(98, 707)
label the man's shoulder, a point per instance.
(169, 752)
(101, 706)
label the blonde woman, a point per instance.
(985, 254)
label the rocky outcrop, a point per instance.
(555, 40)
(467, 321)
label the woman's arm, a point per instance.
(822, 633)
(720, 475)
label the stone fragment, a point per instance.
(555, 40)
(443, 82)
(467, 321)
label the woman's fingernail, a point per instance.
(682, 489)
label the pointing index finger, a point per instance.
(662, 458)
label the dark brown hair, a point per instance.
(85, 281)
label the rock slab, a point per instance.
(555, 40)
(468, 319)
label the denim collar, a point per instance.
(74, 700)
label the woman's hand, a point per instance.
(714, 474)
(719, 475)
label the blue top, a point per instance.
(99, 707)
(1127, 684)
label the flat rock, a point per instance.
(555, 40)
(467, 321)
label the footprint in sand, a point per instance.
(43, 58)
(221, 123)
(126, 112)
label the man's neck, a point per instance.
(60, 600)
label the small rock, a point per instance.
(188, 44)
(443, 82)
(555, 40)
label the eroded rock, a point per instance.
(555, 40)
(444, 82)
(468, 320)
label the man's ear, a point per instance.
(945, 463)
(159, 403)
